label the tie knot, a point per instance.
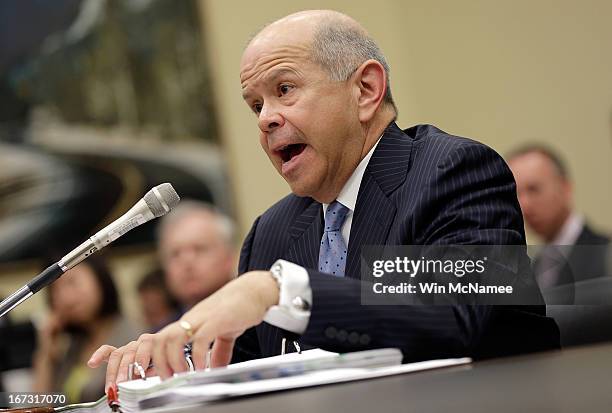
(335, 216)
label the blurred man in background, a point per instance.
(545, 192)
(196, 252)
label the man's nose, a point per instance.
(270, 118)
(525, 203)
(186, 256)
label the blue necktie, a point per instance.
(332, 254)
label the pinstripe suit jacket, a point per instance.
(422, 186)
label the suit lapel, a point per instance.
(374, 214)
(306, 232)
(374, 211)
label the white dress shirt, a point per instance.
(570, 231)
(555, 254)
(295, 282)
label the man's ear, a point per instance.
(372, 83)
(568, 191)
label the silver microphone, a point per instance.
(157, 202)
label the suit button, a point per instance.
(353, 338)
(365, 339)
(330, 332)
(342, 335)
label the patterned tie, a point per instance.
(332, 254)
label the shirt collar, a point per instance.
(570, 231)
(348, 194)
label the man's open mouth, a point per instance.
(290, 151)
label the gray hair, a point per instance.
(188, 207)
(340, 48)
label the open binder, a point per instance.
(289, 371)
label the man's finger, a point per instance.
(200, 346)
(100, 355)
(127, 358)
(144, 352)
(175, 352)
(159, 356)
(222, 352)
(113, 367)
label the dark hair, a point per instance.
(110, 297)
(544, 150)
(155, 280)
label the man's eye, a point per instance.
(284, 89)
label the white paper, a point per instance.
(204, 393)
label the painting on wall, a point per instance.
(100, 100)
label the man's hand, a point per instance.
(221, 318)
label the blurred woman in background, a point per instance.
(159, 307)
(84, 314)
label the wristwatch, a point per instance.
(277, 273)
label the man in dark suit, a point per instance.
(319, 88)
(573, 251)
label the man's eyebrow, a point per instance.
(276, 73)
(271, 77)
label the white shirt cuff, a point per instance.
(294, 287)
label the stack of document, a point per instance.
(131, 392)
(198, 395)
(290, 371)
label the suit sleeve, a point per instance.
(470, 199)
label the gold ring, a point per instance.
(187, 327)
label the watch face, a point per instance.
(277, 268)
(300, 303)
(277, 272)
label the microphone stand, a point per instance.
(52, 273)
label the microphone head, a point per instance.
(161, 199)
